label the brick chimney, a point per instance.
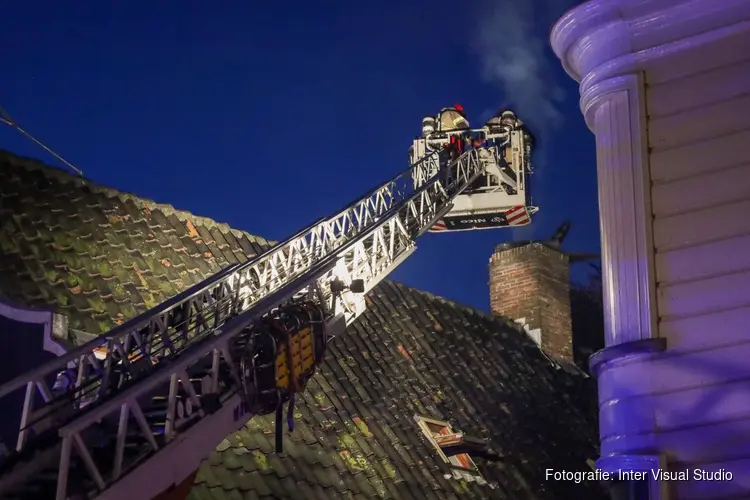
(531, 282)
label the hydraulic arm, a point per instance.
(94, 435)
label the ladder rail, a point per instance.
(358, 210)
(241, 321)
(123, 341)
(236, 324)
(366, 240)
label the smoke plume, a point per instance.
(511, 40)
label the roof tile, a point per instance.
(101, 256)
(80, 237)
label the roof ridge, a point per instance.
(455, 303)
(502, 320)
(64, 176)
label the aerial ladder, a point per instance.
(135, 411)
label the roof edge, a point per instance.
(64, 176)
(567, 365)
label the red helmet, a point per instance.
(459, 108)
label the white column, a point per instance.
(615, 111)
(605, 45)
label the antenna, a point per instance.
(7, 120)
(557, 239)
(556, 242)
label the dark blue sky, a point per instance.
(267, 118)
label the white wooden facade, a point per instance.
(665, 87)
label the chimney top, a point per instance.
(518, 244)
(512, 244)
(531, 281)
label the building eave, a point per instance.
(603, 39)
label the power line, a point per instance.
(7, 120)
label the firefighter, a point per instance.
(509, 119)
(450, 119)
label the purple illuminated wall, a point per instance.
(665, 87)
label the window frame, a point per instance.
(424, 422)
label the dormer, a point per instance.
(456, 449)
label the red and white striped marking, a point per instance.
(515, 216)
(439, 226)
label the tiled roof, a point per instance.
(101, 256)
(415, 353)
